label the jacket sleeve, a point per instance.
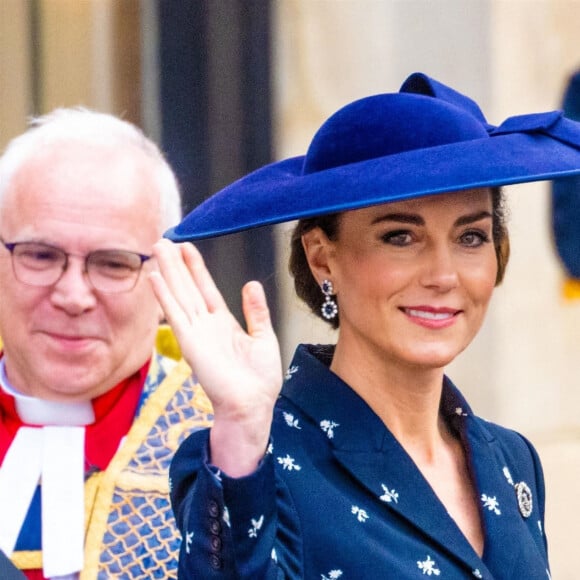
(228, 525)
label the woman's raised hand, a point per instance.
(239, 370)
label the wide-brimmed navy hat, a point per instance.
(423, 140)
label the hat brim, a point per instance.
(279, 192)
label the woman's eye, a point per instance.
(398, 238)
(474, 238)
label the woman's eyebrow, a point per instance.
(404, 218)
(474, 217)
(416, 219)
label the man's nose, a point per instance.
(73, 291)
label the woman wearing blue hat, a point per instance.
(365, 461)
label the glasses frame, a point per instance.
(11, 246)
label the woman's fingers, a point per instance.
(191, 301)
(174, 314)
(195, 263)
(178, 278)
(255, 308)
(231, 363)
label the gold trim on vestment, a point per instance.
(149, 414)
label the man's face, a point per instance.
(69, 341)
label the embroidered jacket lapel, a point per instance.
(370, 453)
(403, 489)
(499, 509)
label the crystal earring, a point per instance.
(329, 308)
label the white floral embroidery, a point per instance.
(508, 475)
(256, 525)
(287, 463)
(428, 567)
(270, 449)
(361, 515)
(491, 503)
(328, 427)
(290, 372)
(188, 541)
(477, 573)
(459, 411)
(332, 575)
(389, 495)
(291, 421)
(226, 517)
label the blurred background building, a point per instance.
(228, 85)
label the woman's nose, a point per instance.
(440, 269)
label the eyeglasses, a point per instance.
(108, 271)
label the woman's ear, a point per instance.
(318, 250)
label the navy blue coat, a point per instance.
(337, 497)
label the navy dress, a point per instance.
(337, 497)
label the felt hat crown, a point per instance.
(425, 139)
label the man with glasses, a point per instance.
(90, 410)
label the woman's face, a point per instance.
(413, 278)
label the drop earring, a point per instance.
(329, 308)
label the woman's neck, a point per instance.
(405, 398)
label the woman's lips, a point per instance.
(431, 317)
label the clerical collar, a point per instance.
(33, 411)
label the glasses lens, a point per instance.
(37, 264)
(114, 270)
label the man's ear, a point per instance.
(319, 251)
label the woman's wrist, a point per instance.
(237, 446)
